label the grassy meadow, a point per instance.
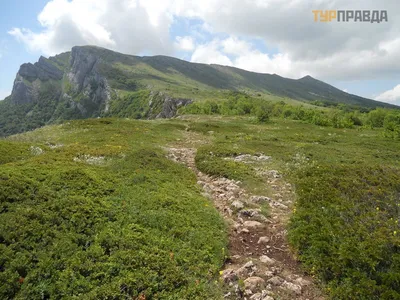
(92, 209)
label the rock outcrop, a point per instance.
(171, 106)
(87, 80)
(78, 81)
(27, 82)
(21, 92)
(82, 76)
(163, 106)
(43, 70)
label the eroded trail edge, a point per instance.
(261, 266)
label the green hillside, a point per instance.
(125, 177)
(93, 209)
(95, 82)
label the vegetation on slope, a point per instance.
(342, 116)
(345, 224)
(94, 210)
(80, 90)
(102, 212)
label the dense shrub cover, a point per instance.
(341, 116)
(345, 228)
(133, 226)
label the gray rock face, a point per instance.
(21, 93)
(86, 89)
(82, 65)
(46, 70)
(171, 106)
(43, 70)
(86, 78)
(25, 90)
(28, 71)
(164, 106)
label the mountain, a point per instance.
(91, 81)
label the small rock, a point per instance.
(249, 212)
(236, 226)
(274, 173)
(292, 287)
(269, 274)
(236, 257)
(237, 204)
(228, 211)
(229, 275)
(244, 230)
(249, 264)
(268, 298)
(259, 199)
(253, 283)
(278, 204)
(248, 292)
(256, 296)
(237, 289)
(276, 280)
(36, 150)
(267, 260)
(242, 272)
(262, 219)
(252, 224)
(302, 282)
(263, 240)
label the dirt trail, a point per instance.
(261, 266)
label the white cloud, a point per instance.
(211, 54)
(328, 50)
(390, 96)
(340, 51)
(263, 63)
(244, 56)
(184, 43)
(235, 46)
(124, 25)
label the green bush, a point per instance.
(263, 114)
(345, 228)
(340, 116)
(135, 226)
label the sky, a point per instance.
(266, 36)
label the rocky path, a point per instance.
(261, 266)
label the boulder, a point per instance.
(253, 283)
(263, 240)
(252, 224)
(267, 260)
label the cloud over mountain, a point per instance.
(268, 36)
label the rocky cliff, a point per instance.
(77, 84)
(29, 78)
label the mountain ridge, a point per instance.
(167, 61)
(89, 81)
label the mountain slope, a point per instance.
(91, 82)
